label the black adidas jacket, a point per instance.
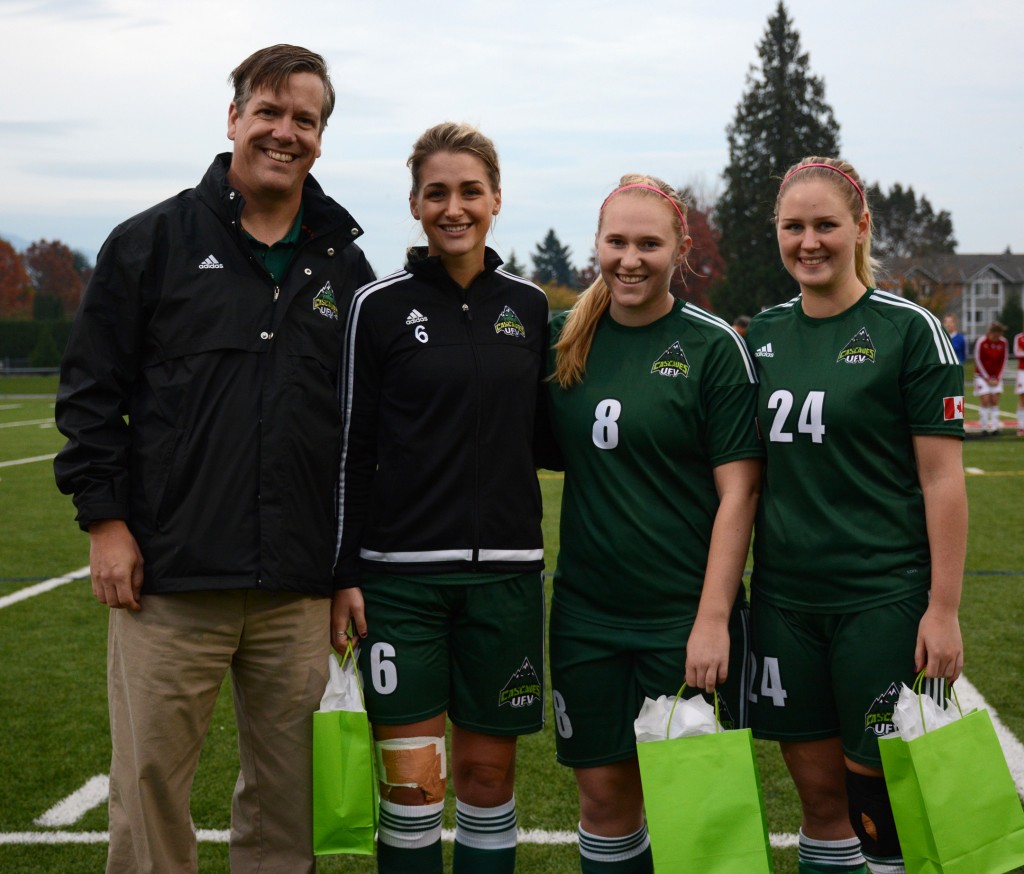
(226, 467)
(440, 388)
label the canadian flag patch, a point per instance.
(953, 408)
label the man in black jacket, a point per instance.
(198, 394)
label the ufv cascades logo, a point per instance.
(878, 719)
(672, 362)
(324, 302)
(509, 324)
(522, 688)
(858, 349)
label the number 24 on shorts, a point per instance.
(771, 681)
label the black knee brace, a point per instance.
(871, 815)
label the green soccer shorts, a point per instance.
(474, 650)
(821, 675)
(600, 676)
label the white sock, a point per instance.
(410, 826)
(486, 828)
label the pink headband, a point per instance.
(846, 176)
(679, 212)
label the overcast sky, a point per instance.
(110, 106)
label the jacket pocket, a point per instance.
(170, 473)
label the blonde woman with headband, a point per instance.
(860, 537)
(651, 402)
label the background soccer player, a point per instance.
(990, 354)
(1018, 351)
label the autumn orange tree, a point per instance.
(704, 264)
(58, 283)
(15, 288)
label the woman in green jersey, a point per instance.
(861, 532)
(651, 403)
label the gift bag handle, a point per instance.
(350, 654)
(675, 701)
(919, 683)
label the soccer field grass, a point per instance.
(53, 699)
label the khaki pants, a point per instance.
(165, 666)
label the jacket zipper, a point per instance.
(476, 432)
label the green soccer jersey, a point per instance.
(841, 522)
(659, 407)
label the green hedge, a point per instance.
(19, 340)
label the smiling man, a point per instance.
(198, 394)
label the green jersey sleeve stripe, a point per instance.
(696, 313)
(942, 343)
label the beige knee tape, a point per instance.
(412, 762)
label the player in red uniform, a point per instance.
(989, 363)
(1018, 352)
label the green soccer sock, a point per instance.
(629, 854)
(830, 857)
(409, 839)
(485, 839)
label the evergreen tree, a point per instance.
(45, 353)
(513, 265)
(905, 227)
(1013, 317)
(551, 262)
(781, 118)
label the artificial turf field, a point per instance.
(52, 649)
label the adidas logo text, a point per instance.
(211, 263)
(414, 317)
(765, 351)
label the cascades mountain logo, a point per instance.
(858, 349)
(509, 324)
(672, 362)
(522, 688)
(324, 302)
(879, 716)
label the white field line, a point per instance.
(217, 836)
(22, 424)
(40, 588)
(1009, 416)
(70, 810)
(94, 792)
(970, 698)
(18, 461)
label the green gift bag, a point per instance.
(704, 806)
(953, 799)
(344, 781)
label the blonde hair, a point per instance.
(573, 347)
(454, 137)
(847, 182)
